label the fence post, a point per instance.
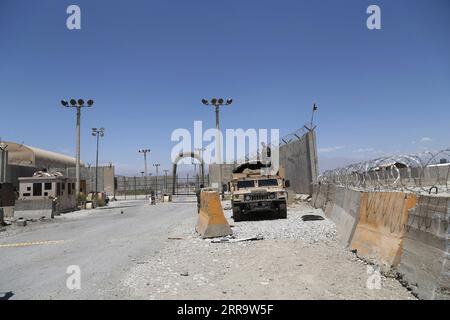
(125, 186)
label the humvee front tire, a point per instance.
(237, 213)
(282, 210)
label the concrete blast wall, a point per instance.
(425, 262)
(298, 160)
(298, 164)
(379, 233)
(344, 212)
(398, 231)
(3, 164)
(323, 193)
(105, 178)
(214, 174)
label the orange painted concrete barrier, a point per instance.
(211, 220)
(382, 224)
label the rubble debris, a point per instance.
(21, 222)
(232, 240)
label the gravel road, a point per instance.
(296, 260)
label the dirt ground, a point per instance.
(296, 260)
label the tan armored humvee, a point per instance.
(252, 192)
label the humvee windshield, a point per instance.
(267, 182)
(246, 184)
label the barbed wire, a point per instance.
(298, 134)
(422, 172)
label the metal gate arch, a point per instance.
(182, 155)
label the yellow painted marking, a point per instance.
(34, 243)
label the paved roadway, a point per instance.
(103, 242)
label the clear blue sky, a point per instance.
(147, 64)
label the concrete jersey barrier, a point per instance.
(344, 212)
(425, 262)
(211, 220)
(320, 195)
(382, 219)
(34, 209)
(394, 229)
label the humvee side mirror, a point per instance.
(287, 184)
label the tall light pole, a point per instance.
(156, 165)
(77, 104)
(217, 103)
(99, 133)
(144, 151)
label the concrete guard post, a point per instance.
(211, 220)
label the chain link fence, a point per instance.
(425, 172)
(143, 187)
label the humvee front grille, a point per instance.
(260, 196)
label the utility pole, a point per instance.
(165, 180)
(77, 104)
(156, 188)
(99, 133)
(144, 151)
(218, 103)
